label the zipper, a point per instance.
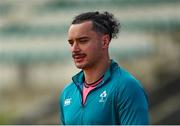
(98, 86)
(81, 93)
(82, 99)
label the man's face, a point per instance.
(86, 45)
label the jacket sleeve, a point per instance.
(132, 104)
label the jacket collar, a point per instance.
(78, 79)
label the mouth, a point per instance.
(78, 57)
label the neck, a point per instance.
(97, 71)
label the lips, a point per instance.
(78, 57)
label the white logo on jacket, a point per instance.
(103, 96)
(67, 101)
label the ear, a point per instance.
(105, 40)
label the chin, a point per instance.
(82, 66)
(79, 66)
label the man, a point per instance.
(102, 93)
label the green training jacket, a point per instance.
(118, 100)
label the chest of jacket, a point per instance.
(99, 107)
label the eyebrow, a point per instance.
(83, 37)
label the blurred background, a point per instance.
(35, 60)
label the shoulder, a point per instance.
(127, 84)
(68, 88)
(131, 99)
(66, 91)
(128, 92)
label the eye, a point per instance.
(70, 42)
(83, 40)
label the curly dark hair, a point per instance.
(102, 22)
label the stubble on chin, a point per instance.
(84, 66)
(79, 66)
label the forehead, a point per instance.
(80, 29)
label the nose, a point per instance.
(75, 47)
